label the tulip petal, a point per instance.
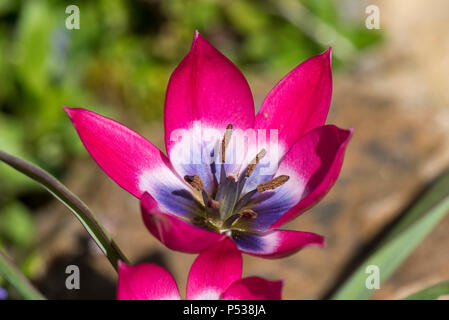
(254, 288)
(130, 160)
(206, 87)
(173, 232)
(195, 154)
(171, 194)
(119, 151)
(272, 204)
(276, 243)
(317, 159)
(145, 281)
(299, 102)
(312, 165)
(213, 271)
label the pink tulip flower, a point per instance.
(216, 274)
(228, 172)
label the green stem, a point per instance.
(71, 201)
(400, 241)
(18, 280)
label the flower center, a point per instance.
(229, 209)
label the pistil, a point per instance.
(225, 208)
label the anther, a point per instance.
(232, 177)
(225, 142)
(194, 181)
(214, 204)
(248, 213)
(255, 162)
(273, 183)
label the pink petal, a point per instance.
(122, 153)
(145, 281)
(206, 87)
(254, 288)
(173, 232)
(214, 271)
(317, 159)
(299, 102)
(276, 243)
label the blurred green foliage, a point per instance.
(121, 59)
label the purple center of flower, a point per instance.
(228, 210)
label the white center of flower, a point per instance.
(228, 209)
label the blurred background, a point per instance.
(390, 85)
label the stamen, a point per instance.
(225, 142)
(233, 220)
(214, 204)
(206, 198)
(211, 207)
(194, 181)
(273, 183)
(248, 213)
(255, 162)
(244, 200)
(232, 177)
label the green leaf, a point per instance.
(432, 292)
(413, 227)
(18, 280)
(71, 201)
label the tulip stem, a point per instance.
(71, 201)
(18, 280)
